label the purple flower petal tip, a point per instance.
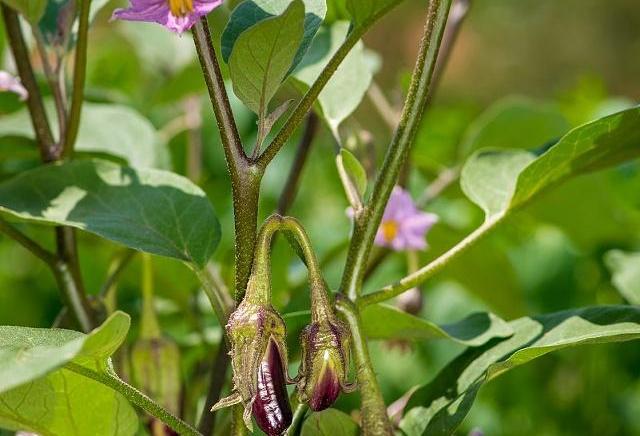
(12, 84)
(175, 15)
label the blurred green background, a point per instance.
(573, 59)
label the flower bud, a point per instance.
(325, 363)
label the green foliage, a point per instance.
(353, 175)
(439, 407)
(348, 85)
(38, 394)
(105, 129)
(268, 48)
(364, 12)
(148, 210)
(330, 422)
(250, 13)
(31, 10)
(501, 180)
(625, 269)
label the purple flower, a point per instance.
(13, 84)
(176, 15)
(403, 226)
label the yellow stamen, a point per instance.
(180, 8)
(389, 230)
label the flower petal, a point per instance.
(12, 84)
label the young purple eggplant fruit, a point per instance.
(325, 363)
(257, 337)
(271, 408)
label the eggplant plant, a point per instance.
(234, 330)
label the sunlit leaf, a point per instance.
(498, 181)
(263, 55)
(149, 210)
(348, 85)
(439, 407)
(381, 321)
(38, 394)
(115, 130)
(625, 269)
(249, 13)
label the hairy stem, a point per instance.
(136, 397)
(295, 173)
(427, 271)
(375, 421)
(79, 75)
(367, 223)
(39, 118)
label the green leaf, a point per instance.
(116, 130)
(499, 181)
(387, 322)
(38, 394)
(515, 122)
(383, 322)
(251, 12)
(149, 210)
(625, 271)
(593, 146)
(329, 422)
(31, 10)
(488, 177)
(353, 176)
(439, 407)
(56, 22)
(263, 55)
(348, 85)
(364, 12)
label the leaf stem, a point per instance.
(39, 118)
(79, 75)
(136, 397)
(220, 300)
(427, 271)
(375, 421)
(295, 173)
(367, 223)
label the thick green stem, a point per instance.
(367, 222)
(375, 421)
(427, 271)
(136, 397)
(39, 118)
(79, 75)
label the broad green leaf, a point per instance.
(330, 422)
(251, 12)
(148, 210)
(363, 12)
(593, 146)
(116, 130)
(498, 181)
(262, 56)
(31, 10)
(38, 394)
(515, 122)
(439, 407)
(30, 353)
(387, 322)
(381, 321)
(348, 85)
(488, 177)
(625, 269)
